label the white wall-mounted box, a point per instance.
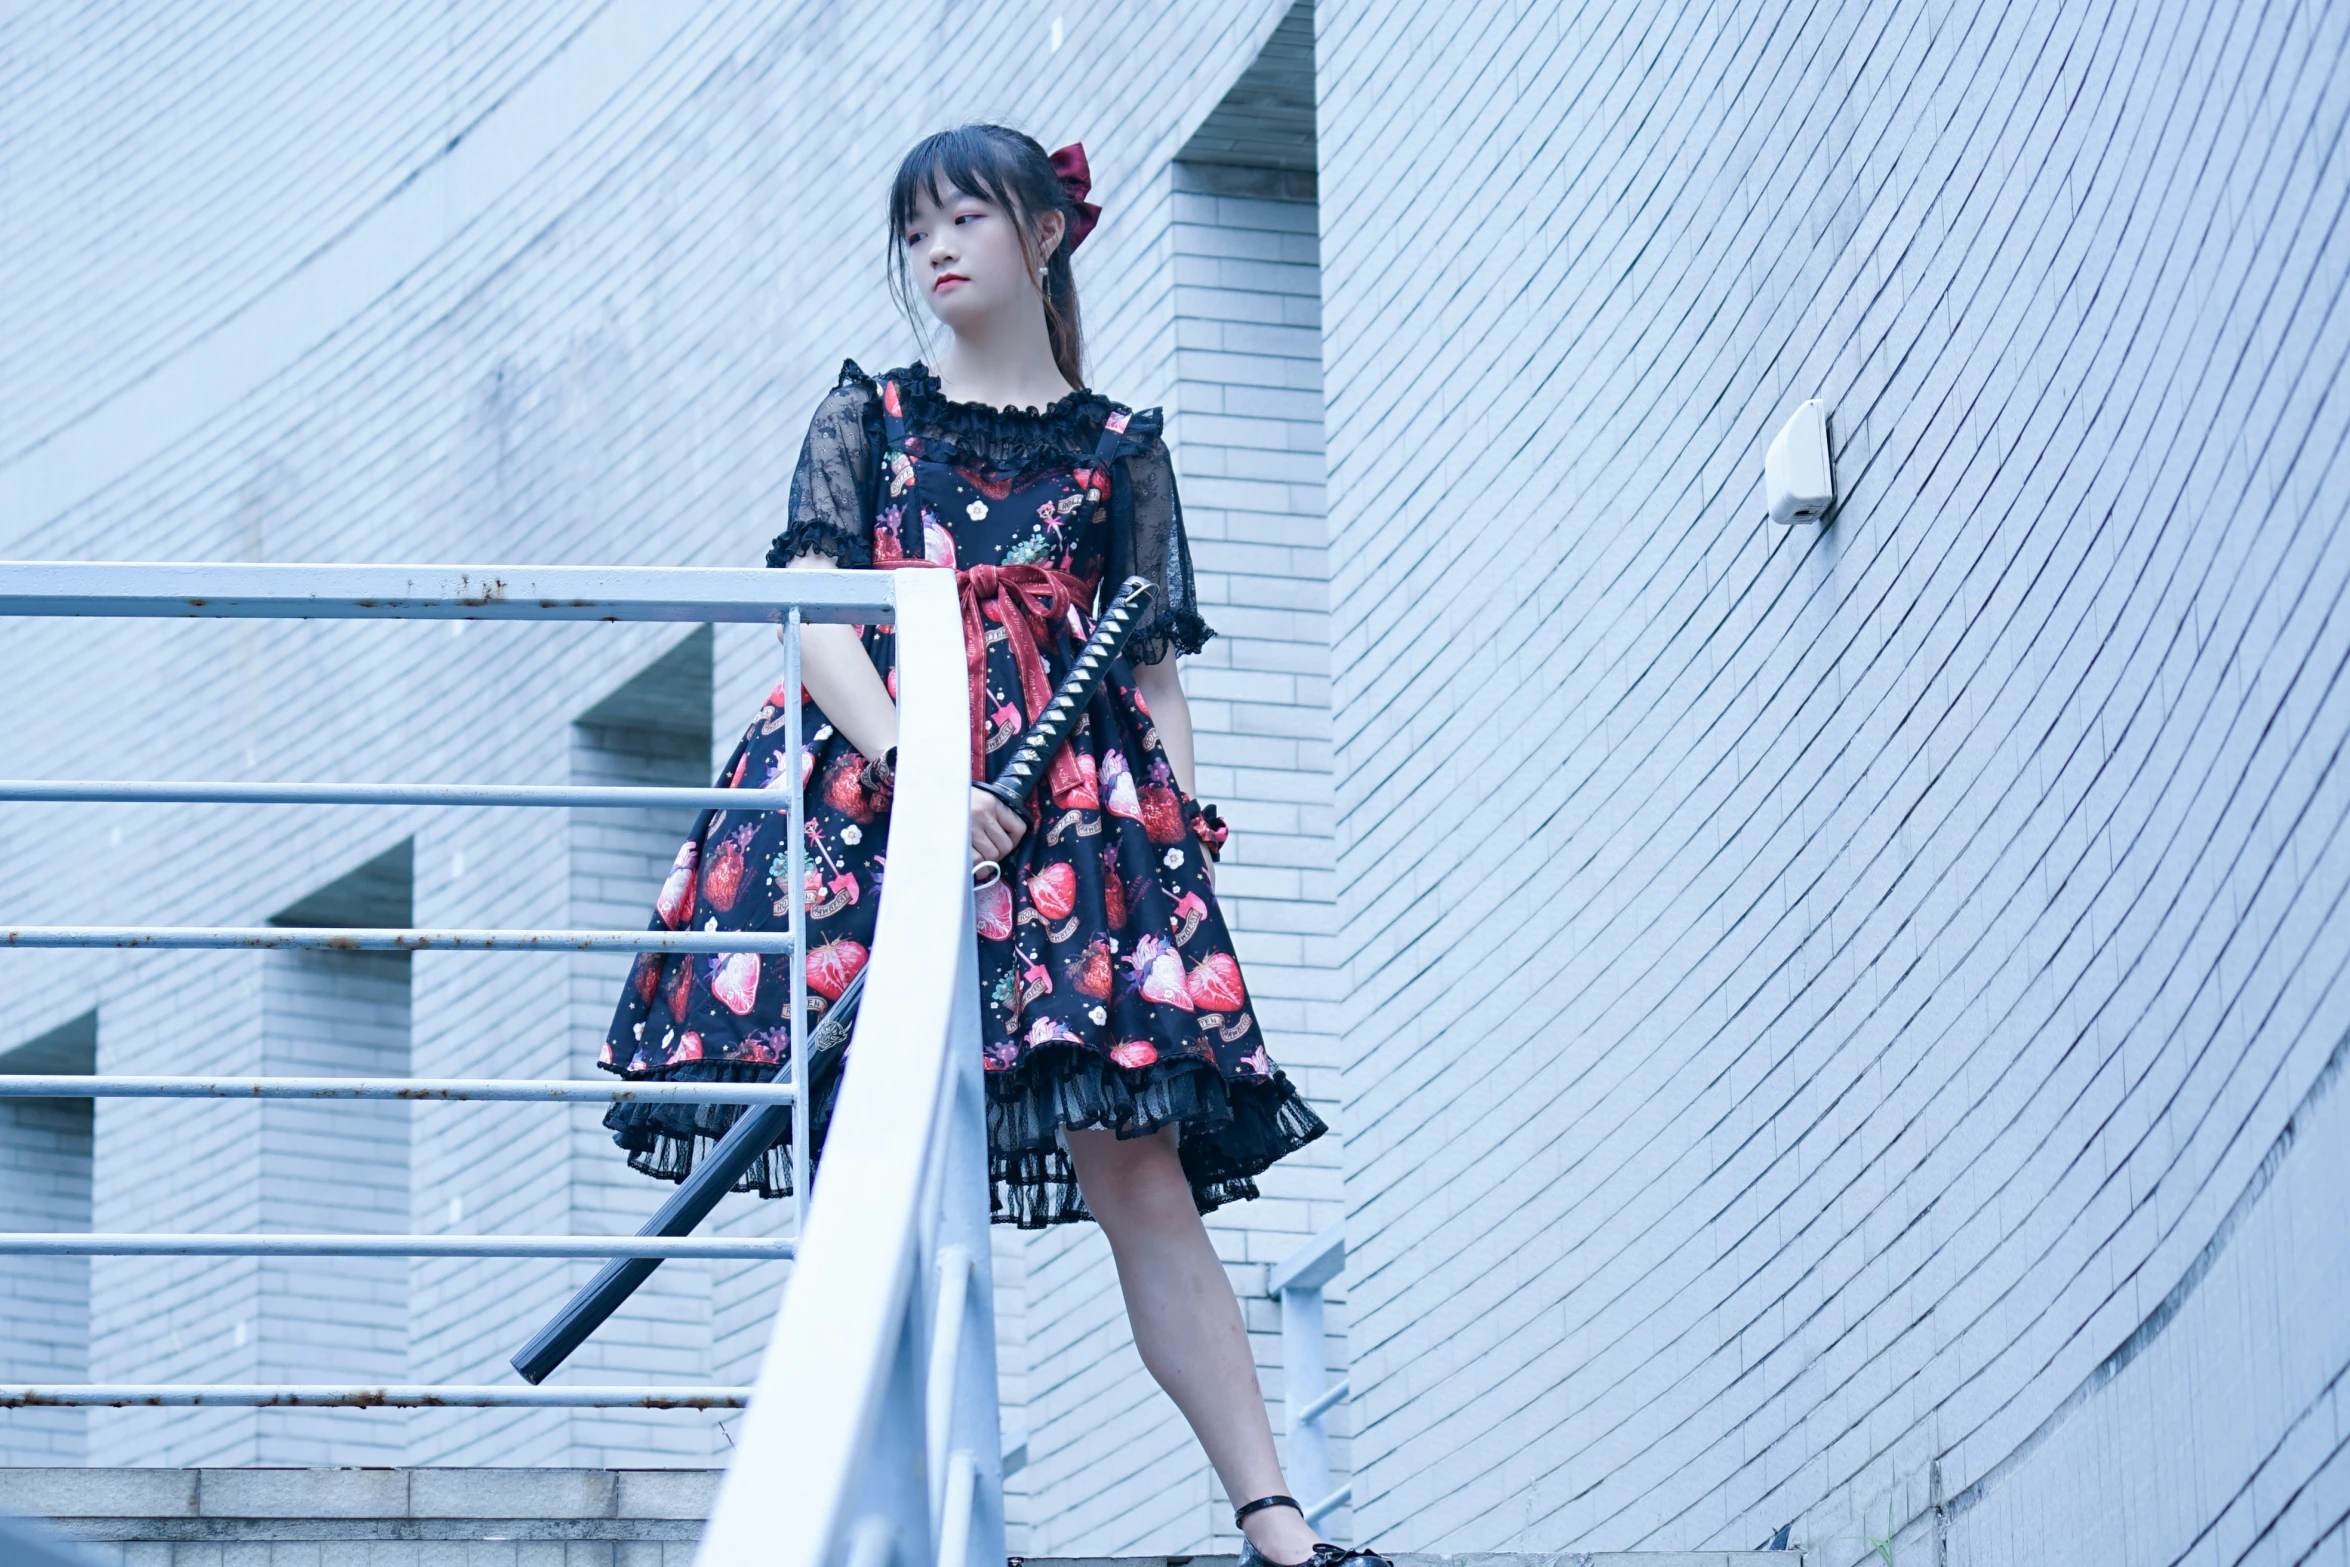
(1797, 481)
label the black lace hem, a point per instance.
(801, 538)
(1184, 632)
(664, 1140)
(1232, 1131)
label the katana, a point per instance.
(758, 1129)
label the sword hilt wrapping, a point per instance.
(1051, 728)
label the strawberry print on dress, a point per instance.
(1111, 995)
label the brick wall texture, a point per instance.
(553, 286)
(1838, 1017)
(1833, 1028)
(44, 1185)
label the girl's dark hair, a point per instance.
(1006, 169)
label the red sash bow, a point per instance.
(1028, 602)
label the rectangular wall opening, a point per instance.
(45, 1149)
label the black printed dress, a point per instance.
(1109, 991)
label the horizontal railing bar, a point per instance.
(592, 1247)
(508, 1090)
(486, 1395)
(396, 592)
(1321, 1406)
(339, 939)
(202, 792)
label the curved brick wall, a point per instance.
(1844, 1018)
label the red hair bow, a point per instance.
(1077, 180)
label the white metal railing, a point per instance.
(872, 1436)
(872, 1433)
(1308, 1395)
(432, 593)
(336, 938)
(507, 1090)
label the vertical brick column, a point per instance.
(333, 1166)
(184, 1165)
(1246, 429)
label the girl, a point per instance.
(1127, 1079)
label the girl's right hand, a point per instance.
(996, 829)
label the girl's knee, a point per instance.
(1125, 1172)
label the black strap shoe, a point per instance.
(1325, 1554)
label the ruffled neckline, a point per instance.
(1068, 427)
(922, 382)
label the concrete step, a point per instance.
(370, 1517)
(1468, 1559)
(491, 1518)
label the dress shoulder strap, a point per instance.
(1095, 475)
(1112, 428)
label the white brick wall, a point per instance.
(537, 288)
(490, 1168)
(213, 1165)
(1248, 427)
(329, 1166)
(618, 859)
(1246, 424)
(1818, 995)
(189, 1165)
(44, 1301)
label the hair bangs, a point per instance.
(964, 161)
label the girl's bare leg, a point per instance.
(1187, 1321)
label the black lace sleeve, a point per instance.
(1146, 540)
(832, 490)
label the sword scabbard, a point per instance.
(1021, 774)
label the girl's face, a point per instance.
(964, 256)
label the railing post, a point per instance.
(1304, 1370)
(796, 868)
(834, 1457)
(889, 1486)
(1306, 1396)
(974, 1431)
